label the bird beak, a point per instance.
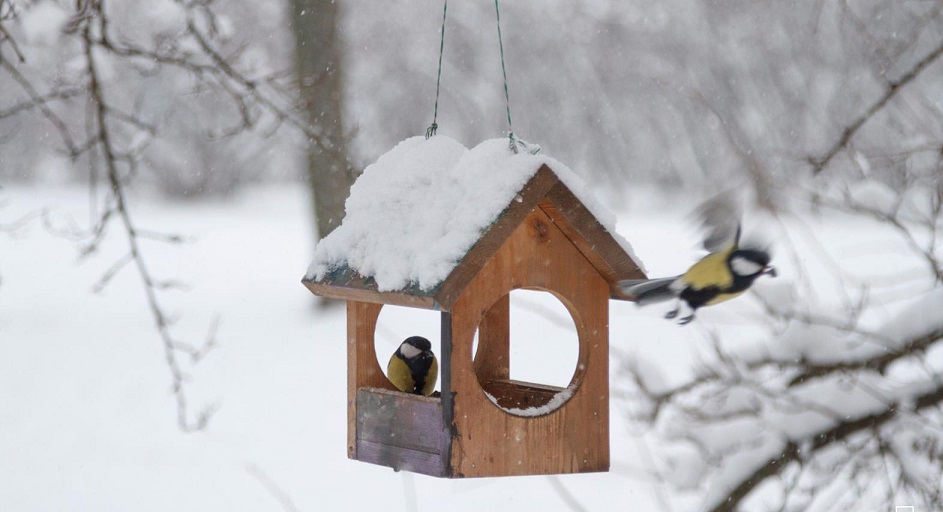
(770, 270)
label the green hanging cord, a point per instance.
(507, 99)
(435, 113)
(513, 141)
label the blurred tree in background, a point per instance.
(699, 94)
(689, 94)
(319, 74)
(833, 400)
(172, 94)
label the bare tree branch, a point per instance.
(237, 85)
(103, 138)
(878, 363)
(114, 155)
(893, 87)
(792, 451)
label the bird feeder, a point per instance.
(485, 424)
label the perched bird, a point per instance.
(413, 367)
(728, 271)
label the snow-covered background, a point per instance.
(820, 390)
(87, 421)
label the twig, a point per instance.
(111, 273)
(272, 488)
(5, 37)
(565, 494)
(167, 238)
(926, 253)
(24, 106)
(23, 221)
(197, 354)
(42, 104)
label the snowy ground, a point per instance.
(87, 422)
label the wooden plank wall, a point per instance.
(401, 431)
(363, 369)
(573, 438)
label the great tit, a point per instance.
(728, 271)
(413, 367)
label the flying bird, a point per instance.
(413, 367)
(728, 271)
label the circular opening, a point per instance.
(396, 323)
(528, 364)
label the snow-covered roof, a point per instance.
(414, 214)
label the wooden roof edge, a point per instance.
(544, 189)
(360, 290)
(593, 240)
(495, 235)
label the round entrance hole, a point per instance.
(527, 365)
(396, 323)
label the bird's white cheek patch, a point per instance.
(409, 351)
(745, 267)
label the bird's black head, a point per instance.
(419, 342)
(413, 346)
(751, 263)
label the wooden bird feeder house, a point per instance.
(485, 424)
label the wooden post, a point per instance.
(445, 370)
(492, 360)
(363, 369)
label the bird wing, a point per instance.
(431, 377)
(712, 270)
(720, 218)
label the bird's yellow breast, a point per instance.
(399, 375)
(712, 270)
(398, 372)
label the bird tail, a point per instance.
(649, 291)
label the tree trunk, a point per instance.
(318, 65)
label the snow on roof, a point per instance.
(413, 214)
